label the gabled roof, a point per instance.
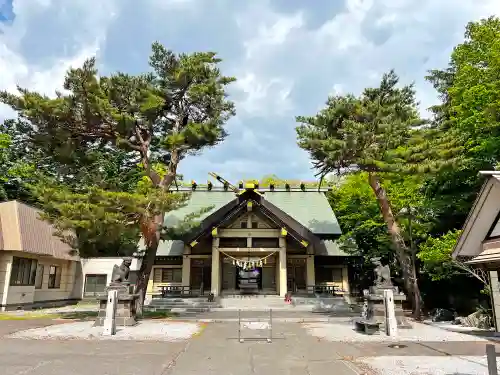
(309, 208)
(481, 218)
(234, 208)
(23, 230)
(308, 212)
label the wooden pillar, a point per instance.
(310, 271)
(495, 298)
(282, 268)
(215, 289)
(186, 271)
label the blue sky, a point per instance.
(288, 56)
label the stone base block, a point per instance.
(125, 310)
(377, 308)
(120, 321)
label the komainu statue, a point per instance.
(120, 273)
(382, 274)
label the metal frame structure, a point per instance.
(269, 337)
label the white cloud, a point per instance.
(287, 60)
(88, 20)
(272, 32)
(263, 98)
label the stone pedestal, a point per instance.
(125, 306)
(376, 310)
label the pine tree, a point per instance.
(378, 132)
(177, 109)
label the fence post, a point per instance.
(239, 326)
(270, 339)
(491, 357)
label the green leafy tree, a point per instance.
(468, 87)
(377, 132)
(436, 253)
(474, 93)
(14, 172)
(364, 230)
(176, 110)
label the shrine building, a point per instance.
(253, 240)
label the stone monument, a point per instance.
(125, 300)
(374, 303)
(391, 324)
(110, 319)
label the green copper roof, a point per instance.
(170, 248)
(198, 201)
(310, 208)
(331, 248)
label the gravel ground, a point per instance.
(54, 310)
(425, 365)
(344, 331)
(145, 330)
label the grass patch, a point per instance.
(25, 316)
(78, 315)
(158, 315)
(86, 303)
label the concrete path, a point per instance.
(217, 351)
(292, 351)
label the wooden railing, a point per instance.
(177, 291)
(312, 290)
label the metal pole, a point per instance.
(239, 326)
(491, 357)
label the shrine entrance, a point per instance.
(249, 274)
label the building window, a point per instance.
(243, 225)
(39, 277)
(255, 225)
(23, 271)
(329, 275)
(168, 275)
(94, 285)
(54, 277)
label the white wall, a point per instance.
(104, 266)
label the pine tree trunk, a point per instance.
(402, 252)
(151, 231)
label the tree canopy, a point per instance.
(121, 125)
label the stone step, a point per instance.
(186, 303)
(189, 310)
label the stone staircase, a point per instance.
(182, 305)
(252, 303)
